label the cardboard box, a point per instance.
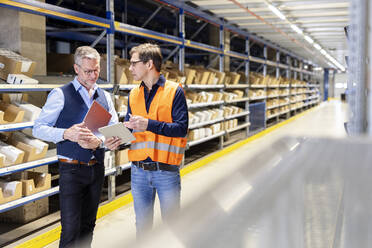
(34, 182)
(26, 213)
(235, 77)
(202, 77)
(121, 157)
(220, 77)
(211, 78)
(10, 113)
(121, 70)
(12, 155)
(31, 111)
(13, 63)
(20, 79)
(34, 149)
(10, 191)
(190, 75)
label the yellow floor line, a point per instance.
(54, 234)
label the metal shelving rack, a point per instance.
(111, 26)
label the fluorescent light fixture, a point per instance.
(308, 39)
(317, 46)
(276, 11)
(323, 52)
(295, 28)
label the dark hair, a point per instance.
(148, 52)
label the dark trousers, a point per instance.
(80, 190)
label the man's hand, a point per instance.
(91, 143)
(82, 135)
(112, 143)
(137, 122)
(77, 132)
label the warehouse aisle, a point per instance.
(117, 229)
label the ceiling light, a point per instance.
(323, 52)
(311, 41)
(276, 11)
(317, 46)
(295, 28)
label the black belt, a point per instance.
(154, 166)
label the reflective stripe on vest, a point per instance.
(157, 146)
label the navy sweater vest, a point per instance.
(73, 112)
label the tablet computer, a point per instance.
(118, 130)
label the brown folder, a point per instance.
(96, 117)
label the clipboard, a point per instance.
(96, 117)
(118, 130)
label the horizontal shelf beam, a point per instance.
(51, 10)
(16, 126)
(40, 87)
(27, 199)
(199, 141)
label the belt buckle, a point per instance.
(151, 166)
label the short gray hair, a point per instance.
(86, 52)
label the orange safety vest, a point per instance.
(159, 148)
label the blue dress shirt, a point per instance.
(44, 125)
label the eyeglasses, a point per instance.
(133, 63)
(89, 72)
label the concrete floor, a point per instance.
(117, 229)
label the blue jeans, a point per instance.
(80, 190)
(144, 186)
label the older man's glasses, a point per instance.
(133, 63)
(89, 72)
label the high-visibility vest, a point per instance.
(159, 148)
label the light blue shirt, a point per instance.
(44, 125)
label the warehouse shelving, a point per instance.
(114, 26)
(205, 104)
(205, 123)
(16, 126)
(202, 140)
(204, 86)
(29, 165)
(245, 125)
(237, 115)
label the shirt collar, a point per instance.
(78, 85)
(160, 82)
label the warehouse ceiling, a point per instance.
(320, 22)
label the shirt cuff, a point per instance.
(59, 134)
(151, 126)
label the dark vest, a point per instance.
(73, 112)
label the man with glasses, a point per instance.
(157, 114)
(80, 152)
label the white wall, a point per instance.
(340, 81)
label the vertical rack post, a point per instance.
(247, 82)
(277, 75)
(124, 19)
(221, 66)
(110, 79)
(265, 74)
(288, 75)
(326, 82)
(181, 33)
